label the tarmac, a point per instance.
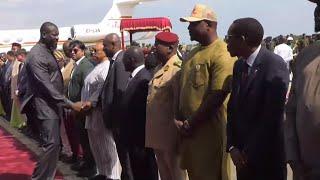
(64, 168)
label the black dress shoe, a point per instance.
(98, 177)
(87, 172)
(77, 166)
(70, 159)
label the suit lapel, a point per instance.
(253, 71)
(134, 79)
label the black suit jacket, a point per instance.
(255, 112)
(5, 80)
(113, 89)
(22, 83)
(79, 74)
(45, 84)
(133, 107)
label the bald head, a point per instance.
(112, 44)
(133, 58)
(47, 27)
(49, 35)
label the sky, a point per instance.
(276, 16)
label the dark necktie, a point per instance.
(244, 75)
(129, 79)
(20, 67)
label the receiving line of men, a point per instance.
(180, 120)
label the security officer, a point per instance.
(161, 132)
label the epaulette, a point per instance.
(178, 63)
(166, 68)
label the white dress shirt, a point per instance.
(252, 58)
(134, 73)
(136, 70)
(77, 63)
(116, 55)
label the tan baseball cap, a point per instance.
(200, 12)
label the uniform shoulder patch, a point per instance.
(166, 68)
(177, 63)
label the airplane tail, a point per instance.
(122, 9)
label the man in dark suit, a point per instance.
(133, 117)
(256, 106)
(22, 76)
(83, 66)
(6, 84)
(45, 95)
(22, 86)
(110, 98)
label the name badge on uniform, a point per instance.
(198, 67)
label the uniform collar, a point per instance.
(166, 67)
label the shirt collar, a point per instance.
(78, 62)
(253, 56)
(136, 70)
(116, 55)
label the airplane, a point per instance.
(87, 33)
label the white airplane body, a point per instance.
(87, 33)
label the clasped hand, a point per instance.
(184, 127)
(82, 106)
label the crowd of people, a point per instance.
(227, 108)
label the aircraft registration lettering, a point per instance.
(97, 30)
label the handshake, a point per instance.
(81, 106)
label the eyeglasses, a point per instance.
(228, 37)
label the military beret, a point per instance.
(167, 37)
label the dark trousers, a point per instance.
(72, 132)
(32, 124)
(47, 164)
(84, 139)
(6, 102)
(258, 172)
(123, 154)
(143, 163)
(138, 163)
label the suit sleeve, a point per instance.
(290, 131)
(40, 72)
(271, 118)
(230, 109)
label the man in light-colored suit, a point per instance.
(302, 130)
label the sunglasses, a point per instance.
(75, 50)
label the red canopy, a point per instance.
(145, 24)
